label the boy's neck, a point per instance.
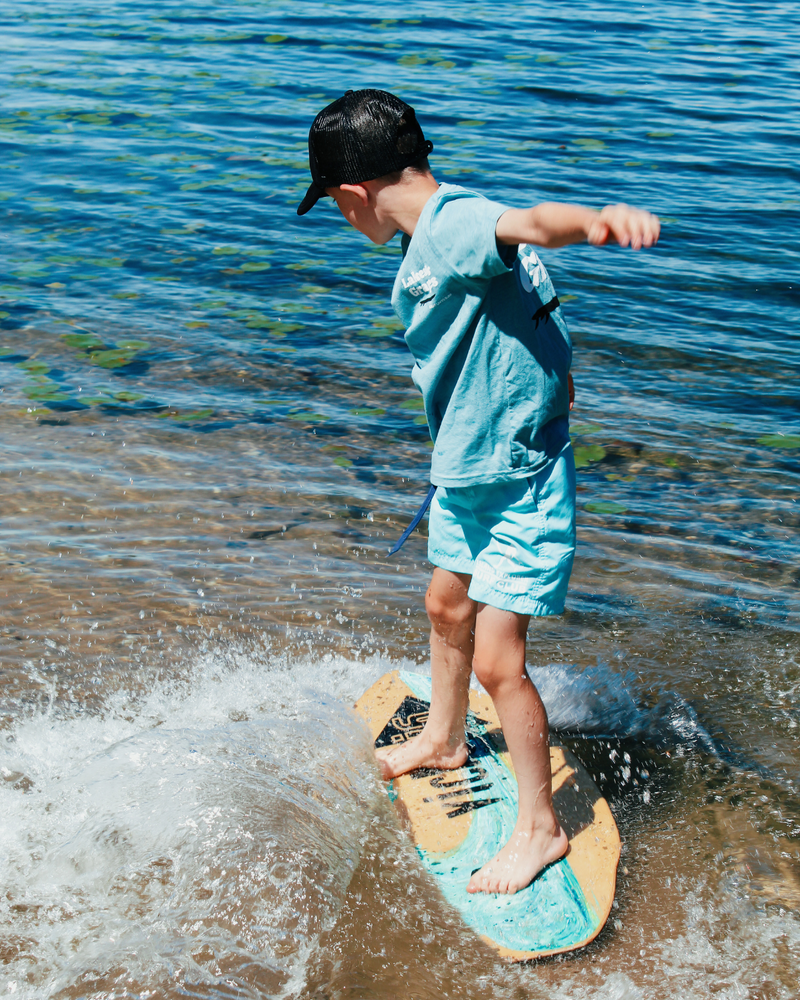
(404, 200)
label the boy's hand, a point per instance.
(555, 224)
(624, 225)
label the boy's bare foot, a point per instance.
(421, 751)
(520, 861)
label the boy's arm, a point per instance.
(555, 224)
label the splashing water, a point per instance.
(210, 440)
(202, 838)
(190, 836)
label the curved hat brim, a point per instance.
(312, 196)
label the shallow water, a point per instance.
(211, 439)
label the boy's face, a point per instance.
(368, 218)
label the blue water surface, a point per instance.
(210, 436)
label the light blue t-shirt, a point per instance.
(491, 348)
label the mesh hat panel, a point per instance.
(363, 135)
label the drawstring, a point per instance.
(414, 522)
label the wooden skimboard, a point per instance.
(459, 819)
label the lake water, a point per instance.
(210, 439)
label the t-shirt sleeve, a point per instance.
(463, 232)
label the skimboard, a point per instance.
(459, 819)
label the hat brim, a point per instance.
(313, 195)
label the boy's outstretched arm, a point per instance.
(556, 224)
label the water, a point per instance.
(211, 439)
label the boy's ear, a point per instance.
(358, 190)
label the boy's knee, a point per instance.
(499, 666)
(488, 672)
(499, 659)
(447, 609)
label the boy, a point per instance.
(492, 357)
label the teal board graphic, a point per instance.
(556, 912)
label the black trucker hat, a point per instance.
(361, 136)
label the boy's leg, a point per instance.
(442, 742)
(538, 839)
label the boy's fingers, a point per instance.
(615, 219)
(631, 226)
(598, 233)
(644, 229)
(654, 231)
(622, 234)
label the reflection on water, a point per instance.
(210, 440)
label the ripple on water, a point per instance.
(210, 439)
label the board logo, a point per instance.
(458, 787)
(408, 721)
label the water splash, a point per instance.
(599, 703)
(200, 837)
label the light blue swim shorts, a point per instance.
(516, 538)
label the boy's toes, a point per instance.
(386, 764)
(481, 881)
(491, 880)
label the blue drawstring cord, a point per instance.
(414, 522)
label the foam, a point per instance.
(199, 840)
(205, 828)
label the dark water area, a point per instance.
(210, 440)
